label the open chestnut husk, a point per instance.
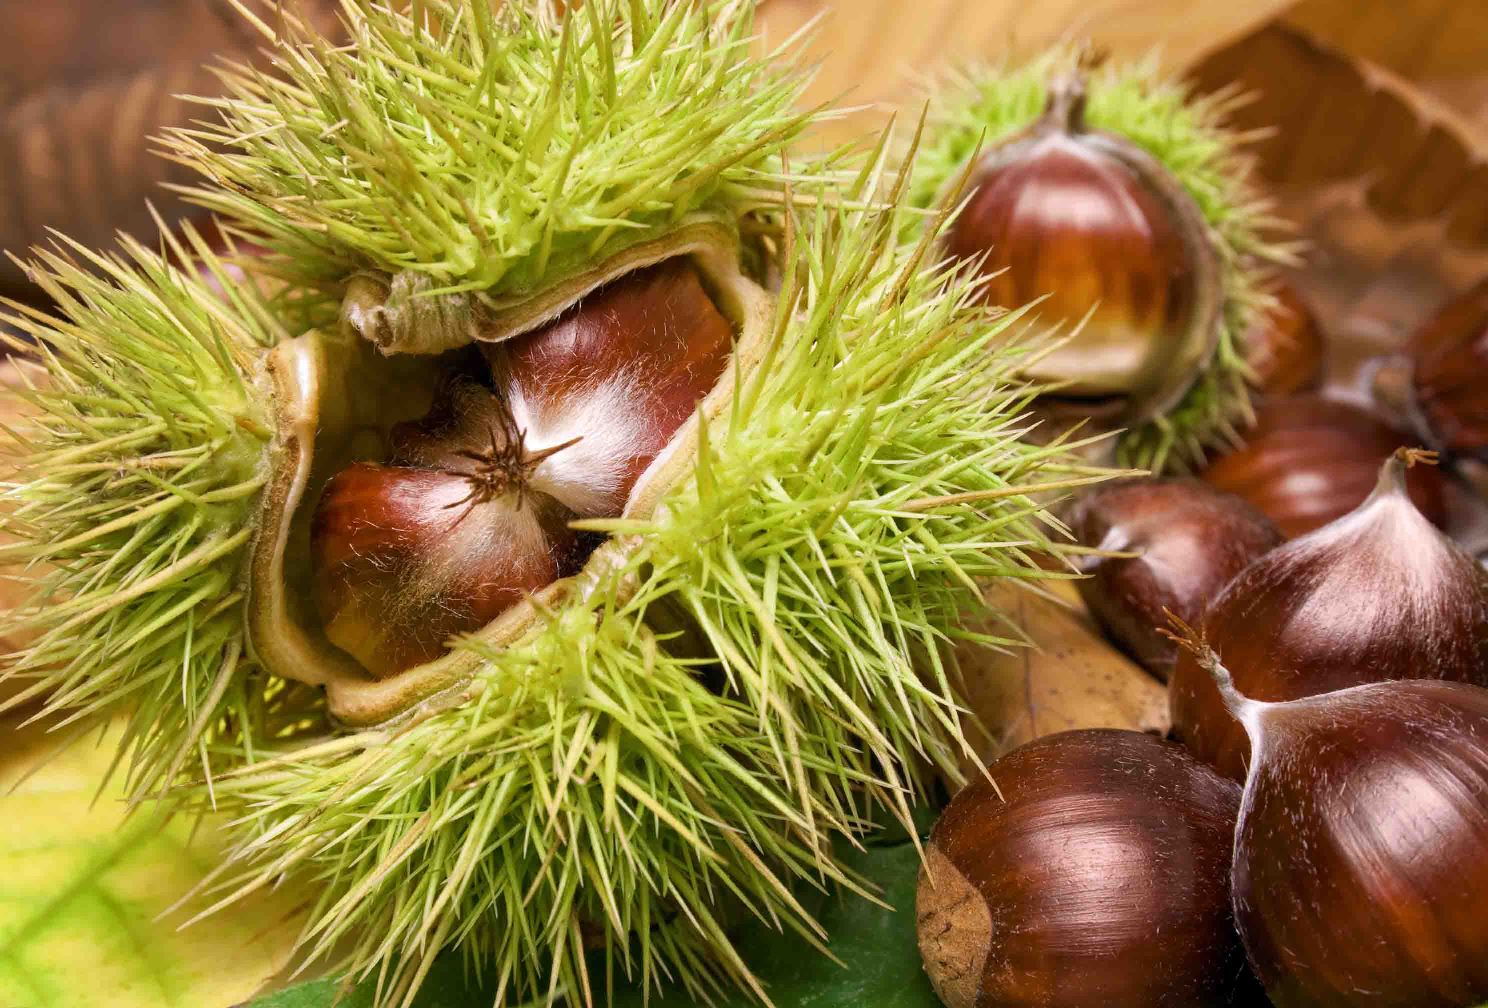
(1094, 224)
(1084, 868)
(1309, 460)
(1284, 347)
(1379, 594)
(1359, 872)
(1179, 541)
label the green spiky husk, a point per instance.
(979, 107)
(490, 155)
(599, 785)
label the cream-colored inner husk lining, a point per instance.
(334, 392)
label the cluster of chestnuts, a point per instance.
(1315, 829)
(1320, 813)
(472, 512)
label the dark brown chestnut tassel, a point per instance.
(1309, 460)
(1450, 376)
(623, 370)
(1284, 349)
(1093, 222)
(1087, 868)
(1187, 541)
(1360, 875)
(1379, 594)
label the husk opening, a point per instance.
(330, 387)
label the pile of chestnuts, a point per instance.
(1314, 831)
(1321, 813)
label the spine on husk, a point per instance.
(745, 666)
(1158, 296)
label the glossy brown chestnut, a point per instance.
(1310, 460)
(1089, 868)
(1359, 874)
(1093, 223)
(1284, 349)
(404, 559)
(1379, 594)
(622, 370)
(1189, 539)
(1450, 376)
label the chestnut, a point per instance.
(622, 370)
(405, 559)
(1359, 872)
(1449, 376)
(1378, 594)
(1309, 460)
(1284, 349)
(1085, 868)
(1098, 228)
(1178, 543)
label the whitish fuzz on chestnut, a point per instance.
(1084, 868)
(1359, 872)
(1121, 201)
(1167, 547)
(1378, 594)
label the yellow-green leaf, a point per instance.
(83, 887)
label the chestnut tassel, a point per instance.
(623, 370)
(1360, 872)
(1378, 594)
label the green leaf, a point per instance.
(83, 890)
(880, 959)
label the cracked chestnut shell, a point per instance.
(1095, 225)
(1189, 539)
(1087, 868)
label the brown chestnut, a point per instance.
(1378, 594)
(622, 370)
(1284, 348)
(1186, 540)
(1095, 225)
(1085, 868)
(1309, 460)
(1449, 358)
(404, 559)
(1359, 876)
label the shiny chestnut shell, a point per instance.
(1190, 540)
(1309, 460)
(1450, 376)
(1096, 226)
(622, 370)
(1087, 868)
(1360, 870)
(1284, 348)
(1378, 595)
